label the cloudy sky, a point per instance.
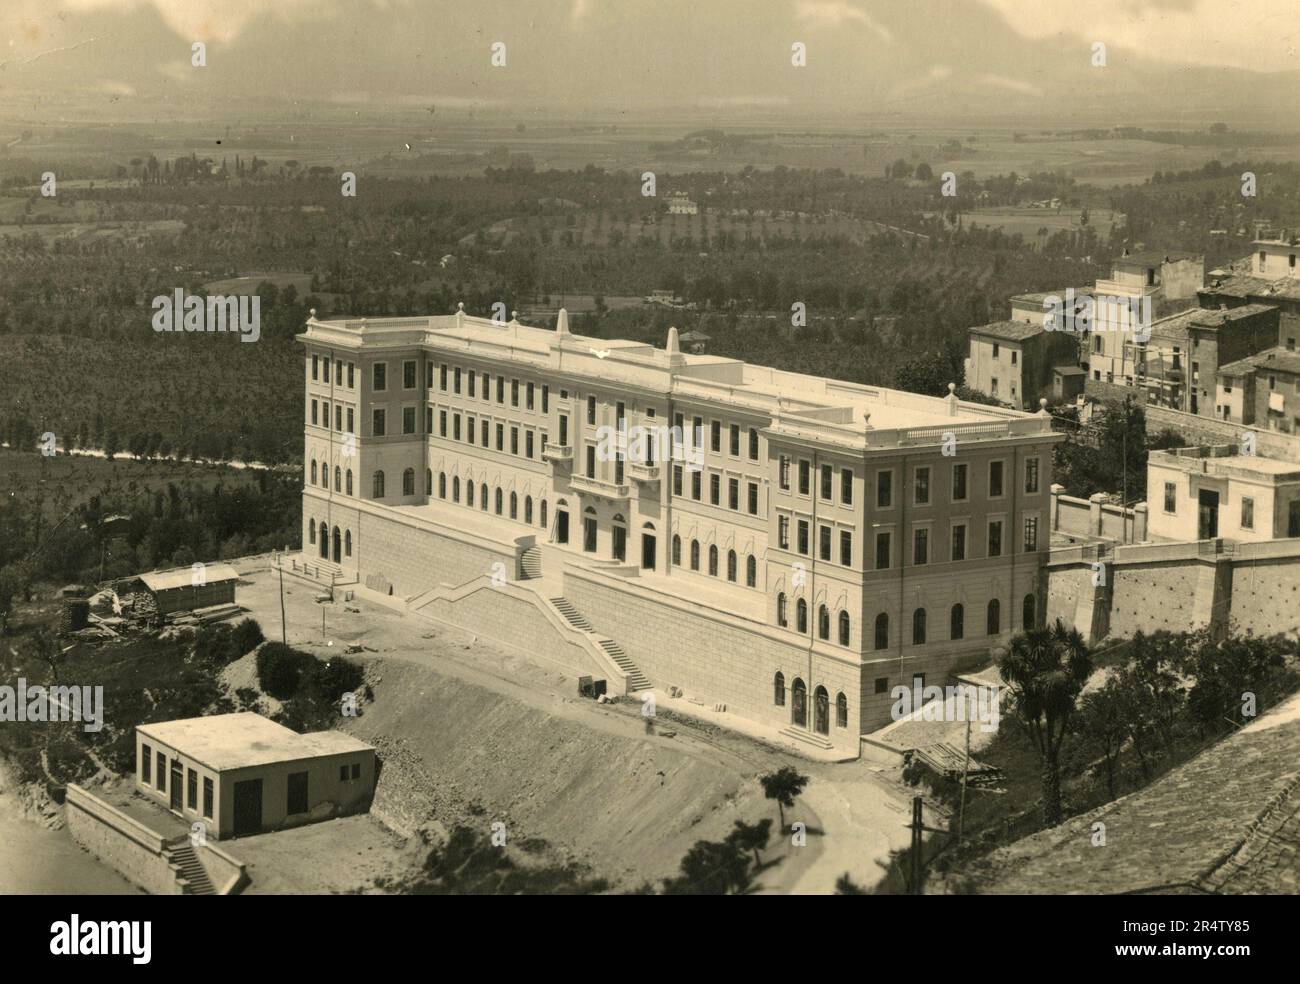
(1164, 58)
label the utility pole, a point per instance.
(284, 628)
(965, 771)
(917, 862)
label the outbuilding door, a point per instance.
(297, 802)
(248, 807)
(1208, 515)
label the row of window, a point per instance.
(956, 621)
(734, 437)
(533, 441)
(155, 770)
(751, 564)
(472, 383)
(1247, 506)
(342, 479)
(344, 542)
(959, 487)
(715, 489)
(821, 704)
(884, 541)
(320, 416)
(499, 499)
(320, 371)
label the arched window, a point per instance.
(338, 479)
(823, 622)
(377, 491)
(994, 617)
(957, 622)
(498, 502)
(455, 488)
(348, 477)
(324, 540)
(528, 510)
(778, 690)
(799, 703)
(347, 543)
(781, 618)
(1029, 612)
(428, 481)
(844, 628)
(882, 631)
(542, 515)
(313, 471)
(801, 616)
(751, 572)
(695, 555)
(408, 482)
(514, 505)
(483, 496)
(713, 560)
(918, 627)
(677, 550)
(841, 710)
(469, 492)
(311, 531)
(442, 485)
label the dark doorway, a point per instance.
(589, 534)
(1293, 518)
(561, 526)
(338, 546)
(821, 712)
(177, 782)
(248, 807)
(647, 551)
(324, 542)
(620, 542)
(1208, 520)
(297, 793)
(799, 704)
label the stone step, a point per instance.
(807, 737)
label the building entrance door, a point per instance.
(1208, 515)
(248, 806)
(338, 546)
(647, 551)
(620, 543)
(799, 704)
(589, 534)
(324, 542)
(561, 526)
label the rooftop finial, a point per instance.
(674, 342)
(951, 399)
(562, 322)
(312, 312)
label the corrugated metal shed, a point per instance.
(183, 577)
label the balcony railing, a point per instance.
(557, 453)
(596, 486)
(643, 471)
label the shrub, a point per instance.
(248, 636)
(281, 670)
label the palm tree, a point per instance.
(784, 785)
(752, 837)
(1045, 670)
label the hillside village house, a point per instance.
(793, 547)
(1269, 277)
(1016, 361)
(1203, 493)
(1262, 390)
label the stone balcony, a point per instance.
(643, 471)
(557, 454)
(598, 487)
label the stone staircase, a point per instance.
(188, 868)
(635, 678)
(530, 564)
(807, 737)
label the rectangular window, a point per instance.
(315, 367)
(1031, 475)
(160, 773)
(528, 396)
(487, 386)
(379, 377)
(846, 548)
(191, 789)
(846, 486)
(470, 387)
(827, 483)
(338, 417)
(753, 444)
(1031, 534)
(528, 444)
(546, 399)
(352, 429)
(735, 440)
(408, 374)
(146, 763)
(715, 489)
(442, 377)
(958, 541)
(501, 389)
(752, 497)
(408, 420)
(351, 380)
(591, 410)
(733, 493)
(783, 532)
(455, 382)
(677, 479)
(514, 392)
(995, 479)
(1171, 497)
(1247, 513)
(959, 483)
(995, 538)
(803, 536)
(824, 542)
(469, 430)
(514, 440)
(922, 486)
(455, 427)
(697, 433)
(428, 420)
(805, 478)
(783, 473)
(884, 489)
(591, 461)
(920, 546)
(442, 423)
(378, 422)
(501, 437)
(315, 412)
(695, 485)
(715, 436)
(486, 432)
(883, 549)
(207, 797)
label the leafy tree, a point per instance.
(1045, 670)
(712, 868)
(785, 785)
(752, 837)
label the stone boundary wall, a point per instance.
(121, 842)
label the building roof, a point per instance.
(237, 741)
(1226, 822)
(1246, 285)
(1276, 358)
(1009, 331)
(1154, 257)
(813, 409)
(1038, 298)
(1177, 326)
(183, 577)
(1069, 371)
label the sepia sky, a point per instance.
(1166, 59)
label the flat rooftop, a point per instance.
(237, 741)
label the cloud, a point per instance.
(1263, 35)
(838, 13)
(1013, 85)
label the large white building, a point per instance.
(785, 546)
